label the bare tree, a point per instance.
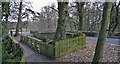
(80, 9)
(103, 32)
(114, 20)
(63, 15)
(19, 19)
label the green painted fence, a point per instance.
(60, 48)
(67, 46)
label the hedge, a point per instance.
(60, 48)
(11, 51)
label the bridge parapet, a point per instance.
(59, 49)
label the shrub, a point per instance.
(11, 52)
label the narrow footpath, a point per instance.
(32, 56)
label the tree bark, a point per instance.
(80, 10)
(114, 20)
(61, 28)
(19, 20)
(103, 32)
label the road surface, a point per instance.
(109, 40)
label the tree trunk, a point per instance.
(114, 20)
(80, 9)
(103, 32)
(19, 19)
(61, 28)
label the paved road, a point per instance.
(23, 33)
(109, 40)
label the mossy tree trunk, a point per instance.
(63, 15)
(19, 19)
(80, 10)
(103, 32)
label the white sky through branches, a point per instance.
(38, 4)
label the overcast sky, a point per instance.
(38, 4)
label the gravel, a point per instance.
(87, 54)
